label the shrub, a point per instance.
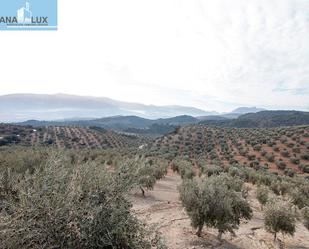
(254, 164)
(276, 148)
(65, 205)
(185, 169)
(279, 217)
(289, 172)
(285, 153)
(280, 187)
(257, 147)
(296, 150)
(210, 170)
(263, 152)
(305, 212)
(290, 145)
(262, 195)
(294, 160)
(215, 202)
(305, 156)
(147, 172)
(284, 187)
(281, 165)
(234, 171)
(304, 167)
(300, 195)
(275, 187)
(270, 157)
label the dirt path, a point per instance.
(163, 208)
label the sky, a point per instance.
(210, 54)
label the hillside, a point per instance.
(276, 149)
(131, 124)
(244, 110)
(263, 119)
(67, 137)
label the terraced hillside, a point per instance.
(68, 137)
(277, 149)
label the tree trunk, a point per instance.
(275, 236)
(143, 191)
(199, 231)
(220, 235)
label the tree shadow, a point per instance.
(297, 247)
(211, 241)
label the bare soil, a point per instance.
(161, 207)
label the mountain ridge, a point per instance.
(22, 107)
(263, 119)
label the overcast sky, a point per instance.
(211, 54)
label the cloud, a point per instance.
(213, 54)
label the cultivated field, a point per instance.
(277, 149)
(67, 137)
(198, 187)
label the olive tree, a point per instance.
(146, 171)
(262, 195)
(184, 168)
(216, 202)
(211, 169)
(300, 194)
(71, 205)
(305, 212)
(279, 218)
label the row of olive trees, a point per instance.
(218, 200)
(147, 171)
(290, 203)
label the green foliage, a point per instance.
(289, 172)
(21, 159)
(279, 217)
(294, 160)
(300, 194)
(210, 170)
(70, 205)
(305, 213)
(305, 155)
(145, 171)
(9, 139)
(184, 168)
(216, 202)
(304, 168)
(262, 194)
(281, 165)
(270, 157)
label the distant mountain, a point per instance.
(233, 114)
(263, 119)
(117, 122)
(21, 107)
(132, 124)
(212, 117)
(179, 120)
(244, 110)
(277, 118)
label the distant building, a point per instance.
(143, 146)
(24, 14)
